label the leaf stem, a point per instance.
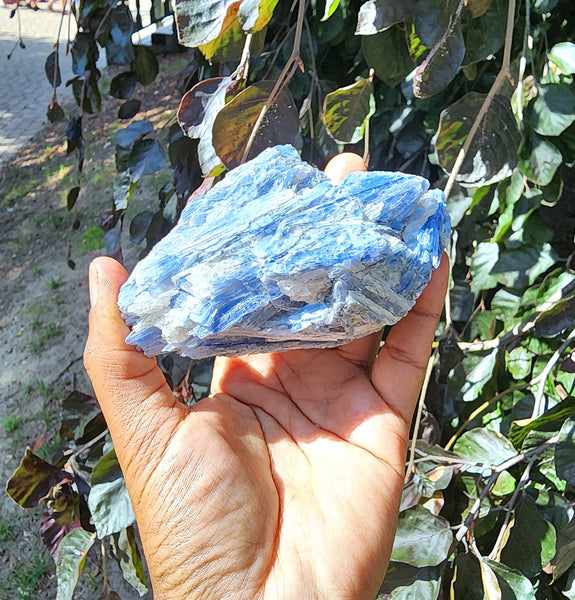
(494, 554)
(285, 76)
(539, 405)
(501, 76)
(420, 404)
(511, 462)
(482, 409)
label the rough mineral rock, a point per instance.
(275, 257)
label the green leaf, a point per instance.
(467, 583)
(201, 21)
(51, 70)
(485, 447)
(119, 48)
(129, 109)
(72, 197)
(485, 257)
(519, 267)
(490, 583)
(235, 122)
(479, 376)
(146, 158)
(378, 15)
(441, 64)
(128, 136)
(123, 85)
(84, 53)
(556, 319)
(485, 35)
(541, 161)
(432, 19)
(256, 14)
(198, 110)
(562, 55)
(477, 7)
(553, 110)
(554, 508)
(347, 111)
(125, 551)
(70, 559)
(492, 155)
(531, 542)
(518, 362)
(565, 453)
(145, 65)
(513, 585)
(33, 480)
(330, 8)
(55, 112)
(404, 582)
(387, 54)
(108, 500)
(422, 539)
(231, 40)
(565, 555)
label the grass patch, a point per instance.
(25, 581)
(173, 67)
(9, 531)
(49, 332)
(20, 190)
(11, 424)
(92, 239)
(55, 283)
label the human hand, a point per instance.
(283, 484)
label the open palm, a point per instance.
(285, 482)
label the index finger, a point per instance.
(399, 369)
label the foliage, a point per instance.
(475, 95)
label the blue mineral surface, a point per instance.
(275, 257)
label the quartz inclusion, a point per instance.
(275, 257)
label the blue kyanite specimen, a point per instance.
(275, 257)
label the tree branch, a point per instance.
(501, 76)
(285, 76)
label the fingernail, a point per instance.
(93, 282)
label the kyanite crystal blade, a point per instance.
(275, 257)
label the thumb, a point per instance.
(130, 387)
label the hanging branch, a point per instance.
(287, 73)
(420, 404)
(494, 554)
(511, 462)
(503, 74)
(539, 405)
(57, 53)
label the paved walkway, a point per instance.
(24, 88)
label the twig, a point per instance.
(481, 410)
(494, 554)
(243, 68)
(420, 405)
(539, 405)
(511, 462)
(501, 76)
(523, 62)
(285, 76)
(105, 584)
(103, 20)
(88, 444)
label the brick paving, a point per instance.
(24, 89)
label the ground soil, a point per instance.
(44, 307)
